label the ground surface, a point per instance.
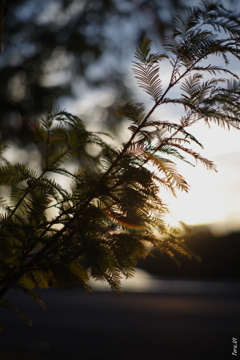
(101, 326)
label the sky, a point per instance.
(213, 198)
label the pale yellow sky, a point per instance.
(213, 197)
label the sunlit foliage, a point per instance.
(114, 210)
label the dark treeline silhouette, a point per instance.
(219, 258)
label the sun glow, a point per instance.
(213, 198)
(171, 220)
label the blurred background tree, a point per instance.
(54, 51)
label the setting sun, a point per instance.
(171, 220)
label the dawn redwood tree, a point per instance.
(113, 210)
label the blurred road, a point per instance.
(140, 326)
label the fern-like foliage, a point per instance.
(146, 70)
(50, 236)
